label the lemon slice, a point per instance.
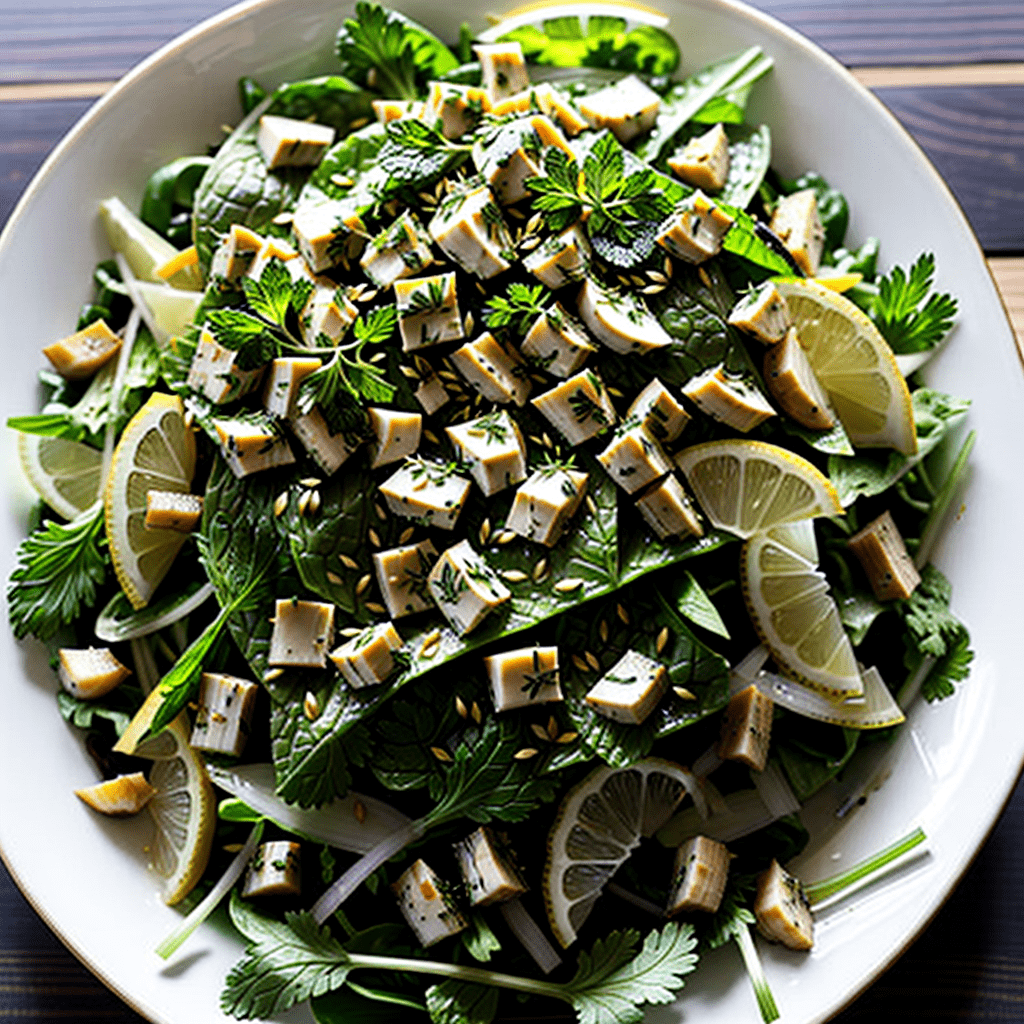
(854, 364)
(173, 309)
(794, 613)
(65, 474)
(598, 826)
(184, 810)
(156, 452)
(747, 487)
(141, 246)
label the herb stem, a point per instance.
(941, 505)
(752, 962)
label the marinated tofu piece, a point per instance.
(491, 447)
(327, 314)
(303, 633)
(401, 250)
(329, 450)
(396, 434)
(494, 370)
(514, 152)
(560, 259)
(323, 232)
(397, 110)
(797, 222)
(667, 509)
(173, 510)
(285, 377)
(285, 142)
(620, 320)
(880, 549)
(89, 672)
(627, 109)
(455, 109)
(747, 729)
(471, 230)
(557, 342)
(431, 492)
(226, 704)
(704, 161)
(545, 504)
(233, 257)
(659, 412)
(275, 870)
(402, 577)
(251, 443)
(81, 354)
(369, 658)
(792, 383)
(634, 458)
(701, 871)
(523, 677)
(276, 249)
(630, 690)
(762, 312)
(782, 911)
(215, 374)
(502, 69)
(579, 408)
(546, 99)
(431, 394)
(489, 870)
(427, 905)
(120, 797)
(465, 588)
(428, 311)
(695, 231)
(728, 399)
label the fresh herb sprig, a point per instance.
(519, 311)
(415, 155)
(911, 317)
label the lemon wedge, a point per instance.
(156, 452)
(182, 271)
(854, 364)
(173, 309)
(141, 246)
(747, 487)
(65, 474)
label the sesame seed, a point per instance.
(540, 570)
(485, 532)
(349, 631)
(440, 753)
(662, 640)
(447, 375)
(623, 614)
(476, 713)
(533, 223)
(602, 630)
(373, 606)
(469, 323)
(668, 266)
(539, 731)
(311, 706)
(614, 392)
(232, 847)
(552, 727)
(304, 499)
(361, 586)
(592, 660)
(580, 663)
(545, 439)
(406, 535)
(349, 563)
(653, 289)
(430, 437)
(514, 575)
(703, 275)
(381, 514)
(310, 481)
(657, 276)
(681, 691)
(280, 504)
(408, 371)
(460, 707)
(374, 538)
(567, 586)
(567, 737)
(368, 296)
(526, 753)
(506, 537)
(333, 577)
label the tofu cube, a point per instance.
(471, 231)
(214, 372)
(396, 434)
(89, 672)
(402, 577)
(281, 390)
(495, 370)
(302, 634)
(701, 871)
(275, 870)
(81, 354)
(694, 232)
(545, 503)
(455, 109)
(704, 161)
(634, 458)
(173, 510)
(793, 384)
(427, 905)
(630, 690)
(880, 549)
(226, 704)
(728, 399)
(747, 729)
(251, 443)
(502, 69)
(620, 320)
(327, 315)
(276, 249)
(428, 311)
(579, 408)
(524, 677)
(396, 110)
(465, 588)
(431, 394)
(557, 342)
(233, 257)
(560, 259)
(627, 109)
(762, 312)
(285, 142)
(328, 450)
(659, 412)
(401, 250)
(431, 492)
(489, 870)
(667, 509)
(368, 658)
(515, 152)
(782, 911)
(323, 232)
(796, 221)
(491, 447)
(545, 99)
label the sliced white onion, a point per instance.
(707, 762)
(528, 932)
(742, 674)
(141, 623)
(774, 791)
(877, 709)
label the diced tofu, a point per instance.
(545, 503)
(489, 871)
(659, 412)
(402, 577)
(427, 905)
(491, 447)
(275, 870)
(235, 254)
(502, 69)
(465, 588)
(747, 729)
(323, 232)
(226, 704)
(328, 450)
(523, 677)
(285, 142)
(634, 458)
(495, 370)
(252, 443)
(515, 152)
(401, 250)
(368, 658)
(782, 911)
(694, 232)
(728, 399)
(627, 109)
(214, 372)
(796, 221)
(396, 110)
(579, 408)
(396, 434)
(543, 98)
(89, 672)
(81, 354)
(281, 389)
(173, 510)
(470, 229)
(276, 249)
(630, 690)
(560, 259)
(327, 315)
(880, 550)
(431, 394)
(701, 870)
(455, 109)
(763, 313)
(792, 383)
(704, 161)
(667, 509)
(431, 492)
(557, 342)
(303, 633)
(428, 311)
(120, 797)
(620, 320)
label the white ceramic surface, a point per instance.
(956, 762)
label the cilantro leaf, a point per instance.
(480, 942)
(523, 305)
(931, 626)
(377, 327)
(911, 319)
(733, 912)
(952, 668)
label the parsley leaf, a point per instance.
(416, 154)
(460, 1002)
(952, 668)
(911, 319)
(931, 626)
(522, 307)
(275, 293)
(246, 334)
(557, 190)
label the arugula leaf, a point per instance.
(460, 1002)
(910, 316)
(522, 307)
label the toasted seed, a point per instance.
(426, 197)
(653, 289)
(368, 296)
(540, 570)
(602, 630)
(681, 691)
(272, 673)
(614, 392)
(349, 563)
(534, 223)
(623, 280)
(333, 577)
(580, 663)
(311, 706)
(485, 532)
(703, 275)
(526, 753)
(539, 731)
(424, 368)
(283, 218)
(529, 242)
(374, 538)
(314, 502)
(623, 614)
(668, 266)
(408, 371)
(657, 276)
(406, 535)
(592, 660)
(431, 437)
(468, 323)
(514, 576)
(304, 501)
(480, 288)
(341, 181)
(311, 481)
(233, 847)
(442, 187)
(359, 811)
(535, 440)
(440, 753)
(515, 214)
(477, 714)
(546, 440)
(659, 644)
(506, 537)
(568, 585)
(280, 504)
(552, 727)
(567, 737)
(356, 290)
(349, 631)
(460, 707)
(381, 514)
(373, 606)
(447, 375)
(364, 582)
(591, 505)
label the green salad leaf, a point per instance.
(910, 316)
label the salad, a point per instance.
(516, 499)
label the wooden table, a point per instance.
(953, 72)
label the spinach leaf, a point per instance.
(807, 767)
(172, 185)
(330, 100)
(347, 158)
(750, 153)
(118, 707)
(694, 604)
(834, 441)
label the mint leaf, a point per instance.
(459, 1002)
(415, 154)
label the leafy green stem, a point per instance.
(940, 506)
(752, 962)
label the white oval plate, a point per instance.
(956, 762)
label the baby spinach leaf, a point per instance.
(834, 441)
(346, 159)
(330, 100)
(172, 185)
(750, 153)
